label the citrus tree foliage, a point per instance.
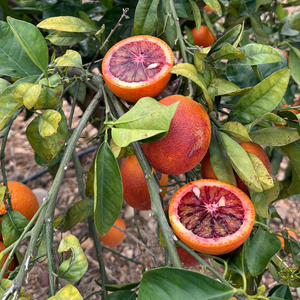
(48, 50)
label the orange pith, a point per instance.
(204, 37)
(187, 140)
(22, 199)
(211, 216)
(114, 236)
(12, 265)
(138, 67)
(135, 189)
(208, 173)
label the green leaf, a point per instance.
(78, 212)
(51, 93)
(222, 87)
(28, 94)
(3, 84)
(228, 38)
(294, 62)
(12, 226)
(50, 147)
(260, 250)
(257, 54)
(260, 34)
(145, 17)
(64, 38)
(274, 136)
(73, 268)
(122, 295)
(48, 123)
(237, 130)
(108, 189)
(70, 59)
(228, 52)
(14, 60)
(148, 118)
(241, 163)
(29, 37)
(177, 284)
(189, 71)
(282, 291)
(8, 104)
(261, 201)
(219, 159)
(262, 98)
(215, 6)
(68, 24)
(66, 293)
(264, 177)
(269, 117)
(120, 287)
(292, 151)
(2, 193)
(197, 14)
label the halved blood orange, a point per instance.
(137, 67)
(211, 216)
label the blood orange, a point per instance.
(137, 67)
(187, 140)
(135, 189)
(114, 236)
(203, 37)
(211, 216)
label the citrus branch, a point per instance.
(153, 187)
(47, 210)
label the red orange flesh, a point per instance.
(137, 67)
(211, 216)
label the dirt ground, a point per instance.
(20, 166)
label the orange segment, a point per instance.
(211, 216)
(138, 67)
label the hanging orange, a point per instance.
(204, 37)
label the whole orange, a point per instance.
(186, 258)
(208, 9)
(12, 265)
(22, 199)
(211, 216)
(114, 236)
(290, 233)
(137, 67)
(295, 111)
(187, 140)
(204, 37)
(285, 54)
(208, 173)
(135, 189)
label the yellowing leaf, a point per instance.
(67, 293)
(48, 122)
